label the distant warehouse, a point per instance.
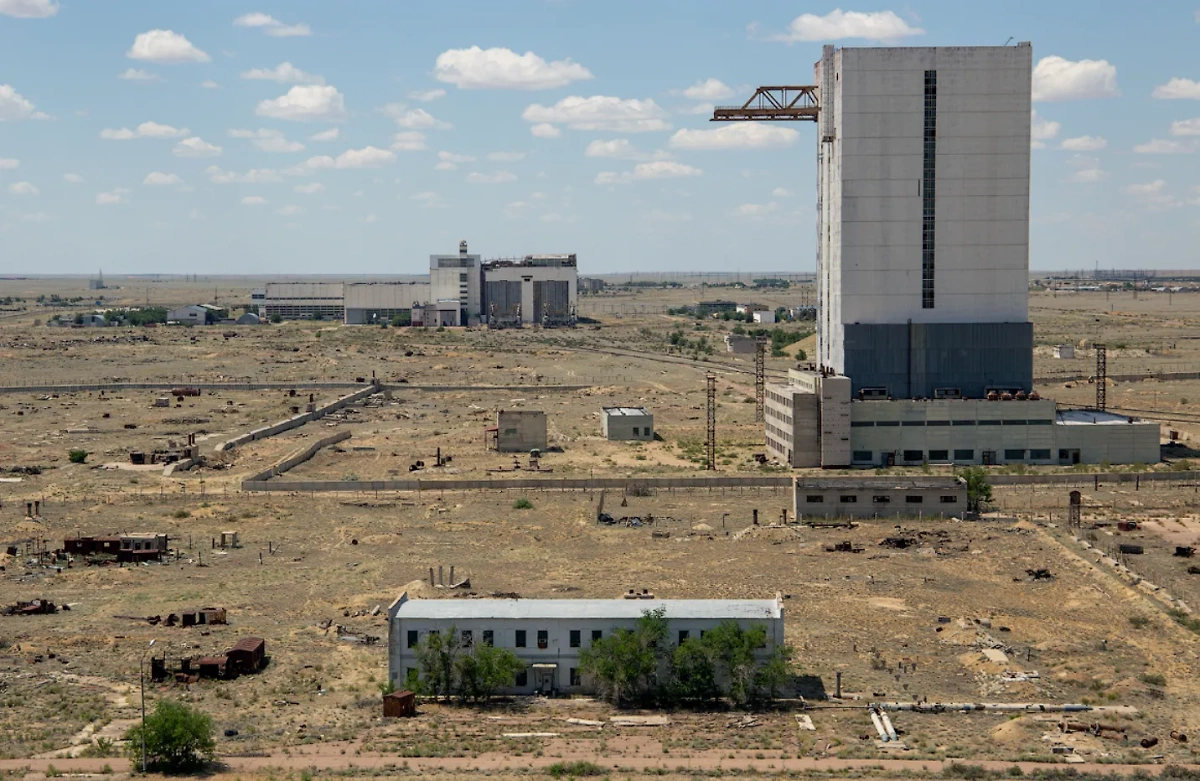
(627, 424)
(370, 303)
(537, 290)
(304, 300)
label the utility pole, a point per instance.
(711, 382)
(760, 368)
(1101, 377)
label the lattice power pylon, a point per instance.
(711, 380)
(1101, 377)
(760, 377)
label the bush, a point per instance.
(522, 504)
(77, 456)
(1139, 622)
(574, 769)
(177, 737)
(1153, 679)
(964, 771)
(181, 514)
(485, 670)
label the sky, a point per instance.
(359, 137)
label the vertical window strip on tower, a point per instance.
(929, 190)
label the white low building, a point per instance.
(549, 634)
(622, 424)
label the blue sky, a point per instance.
(359, 137)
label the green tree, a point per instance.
(733, 649)
(625, 664)
(775, 673)
(436, 656)
(694, 671)
(979, 490)
(484, 670)
(177, 737)
(77, 456)
(276, 318)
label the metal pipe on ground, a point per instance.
(883, 735)
(988, 707)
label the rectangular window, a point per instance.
(597, 634)
(964, 455)
(939, 455)
(522, 678)
(575, 680)
(1039, 455)
(881, 423)
(543, 639)
(468, 639)
(962, 423)
(1039, 422)
(913, 423)
(814, 498)
(862, 424)
(937, 423)
(881, 499)
(683, 636)
(861, 455)
(914, 455)
(1014, 422)
(914, 500)
(576, 638)
(1014, 455)
(413, 638)
(989, 423)
(929, 192)
(635, 431)
(848, 498)
(488, 638)
(948, 499)
(520, 643)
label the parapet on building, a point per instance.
(924, 345)
(548, 634)
(537, 290)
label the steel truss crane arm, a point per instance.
(773, 104)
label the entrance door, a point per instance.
(989, 457)
(544, 679)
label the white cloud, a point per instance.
(283, 73)
(428, 199)
(709, 89)
(1150, 188)
(621, 149)
(601, 112)
(505, 157)
(325, 135)
(1153, 195)
(755, 210)
(137, 74)
(253, 200)
(13, 107)
(367, 157)
(35, 217)
(1056, 78)
(1042, 130)
(1084, 144)
(1160, 146)
(289, 210)
(254, 176)
(1087, 171)
(159, 178)
(642, 171)
(312, 188)
(545, 130)
(28, 9)
(165, 46)
(73, 178)
(839, 24)
(409, 141)
(9, 163)
(452, 157)
(272, 26)
(499, 177)
(424, 96)
(23, 188)
(1178, 89)
(500, 68)
(1186, 127)
(144, 130)
(210, 84)
(740, 135)
(269, 140)
(657, 215)
(368, 219)
(306, 104)
(112, 198)
(700, 109)
(196, 147)
(781, 192)
(196, 214)
(413, 119)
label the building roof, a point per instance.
(887, 483)
(587, 608)
(1089, 417)
(631, 411)
(251, 644)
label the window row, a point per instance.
(879, 499)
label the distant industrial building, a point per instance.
(622, 424)
(537, 290)
(590, 285)
(457, 278)
(740, 344)
(867, 497)
(1064, 351)
(548, 635)
(518, 431)
(371, 303)
(194, 314)
(304, 301)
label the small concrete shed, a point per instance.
(623, 424)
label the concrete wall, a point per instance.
(520, 430)
(384, 300)
(457, 277)
(295, 460)
(793, 425)
(527, 276)
(291, 300)
(882, 501)
(1114, 443)
(620, 428)
(297, 421)
(835, 421)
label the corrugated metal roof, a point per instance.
(632, 411)
(588, 608)
(248, 644)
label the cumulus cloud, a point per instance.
(158, 178)
(1087, 170)
(289, 210)
(9, 163)
(254, 176)
(283, 73)
(253, 200)
(1084, 144)
(600, 112)
(165, 46)
(1186, 127)
(112, 198)
(272, 26)
(428, 199)
(1153, 195)
(13, 107)
(839, 24)
(409, 141)
(1160, 146)
(1178, 89)
(23, 188)
(73, 178)
(781, 192)
(621, 149)
(708, 89)
(1056, 78)
(497, 177)
(137, 74)
(307, 103)
(210, 84)
(643, 171)
(424, 96)
(196, 147)
(500, 68)
(755, 210)
(740, 135)
(505, 157)
(545, 130)
(367, 157)
(312, 188)
(413, 119)
(269, 140)
(144, 130)
(448, 161)
(325, 135)
(28, 9)
(1041, 130)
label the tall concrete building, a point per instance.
(457, 278)
(923, 219)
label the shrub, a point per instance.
(522, 504)
(574, 769)
(77, 456)
(964, 771)
(181, 514)
(1139, 622)
(177, 737)
(1153, 679)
